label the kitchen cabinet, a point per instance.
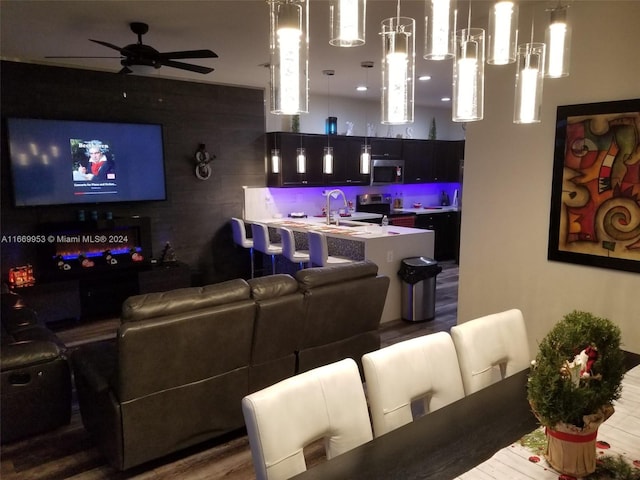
(288, 143)
(418, 160)
(346, 162)
(383, 148)
(447, 160)
(446, 226)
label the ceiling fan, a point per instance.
(141, 54)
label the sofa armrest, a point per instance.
(24, 354)
(96, 363)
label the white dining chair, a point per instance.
(319, 251)
(411, 378)
(262, 243)
(491, 348)
(240, 238)
(301, 257)
(326, 402)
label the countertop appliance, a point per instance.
(380, 203)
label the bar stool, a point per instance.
(240, 238)
(319, 251)
(289, 248)
(262, 243)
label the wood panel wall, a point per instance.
(195, 218)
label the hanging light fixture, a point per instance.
(365, 149)
(440, 23)
(558, 40)
(330, 128)
(275, 160)
(468, 74)
(301, 160)
(529, 81)
(398, 69)
(503, 33)
(289, 48)
(347, 19)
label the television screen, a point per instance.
(56, 162)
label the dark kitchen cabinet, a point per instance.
(346, 162)
(288, 144)
(447, 159)
(446, 226)
(383, 148)
(418, 160)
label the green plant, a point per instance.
(578, 370)
(432, 131)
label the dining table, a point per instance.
(460, 437)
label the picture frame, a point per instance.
(595, 192)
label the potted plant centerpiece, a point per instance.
(574, 379)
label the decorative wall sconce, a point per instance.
(347, 20)
(440, 22)
(203, 169)
(289, 48)
(398, 69)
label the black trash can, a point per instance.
(418, 276)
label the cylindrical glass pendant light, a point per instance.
(327, 160)
(529, 81)
(347, 20)
(365, 160)
(503, 33)
(275, 160)
(398, 70)
(301, 160)
(468, 76)
(440, 23)
(289, 48)
(558, 40)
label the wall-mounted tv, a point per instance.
(57, 162)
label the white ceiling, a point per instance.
(237, 30)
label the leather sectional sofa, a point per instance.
(35, 389)
(183, 360)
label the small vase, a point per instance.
(572, 450)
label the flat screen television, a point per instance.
(58, 162)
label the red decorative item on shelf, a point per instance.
(21, 276)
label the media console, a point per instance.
(86, 269)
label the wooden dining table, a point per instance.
(446, 443)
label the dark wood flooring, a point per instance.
(68, 452)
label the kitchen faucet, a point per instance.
(333, 193)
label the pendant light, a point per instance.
(503, 33)
(398, 69)
(347, 20)
(275, 156)
(330, 128)
(529, 81)
(440, 23)
(289, 48)
(365, 149)
(468, 74)
(558, 40)
(301, 160)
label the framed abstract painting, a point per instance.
(595, 195)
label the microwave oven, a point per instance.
(386, 172)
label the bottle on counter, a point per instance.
(385, 221)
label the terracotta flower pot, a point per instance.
(572, 450)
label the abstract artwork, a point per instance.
(595, 198)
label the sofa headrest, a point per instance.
(316, 277)
(182, 300)
(272, 286)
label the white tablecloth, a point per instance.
(621, 431)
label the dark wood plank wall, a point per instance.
(194, 219)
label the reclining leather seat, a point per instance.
(175, 376)
(35, 389)
(343, 308)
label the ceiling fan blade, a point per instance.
(188, 54)
(76, 56)
(107, 44)
(185, 66)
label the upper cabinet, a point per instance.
(426, 161)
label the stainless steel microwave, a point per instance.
(386, 172)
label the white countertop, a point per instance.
(427, 209)
(349, 228)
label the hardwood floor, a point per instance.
(68, 452)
